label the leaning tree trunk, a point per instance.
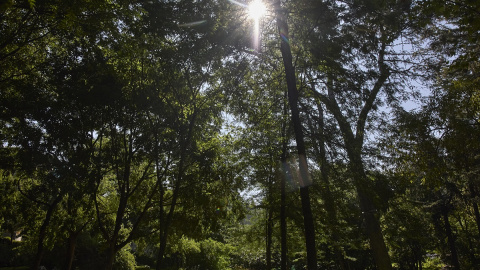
(309, 228)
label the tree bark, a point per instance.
(112, 247)
(370, 215)
(450, 238)
(111, 253)
(72, 242)
(180, 176)
(353, 145)
(42, 234)
(329, 200)
(309, 228)
(283, 219)
(284, 171)
(473, 195)
(269, 238)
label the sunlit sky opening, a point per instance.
(256, 9)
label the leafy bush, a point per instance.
(124, 260)
(207, 254)
(215, 255)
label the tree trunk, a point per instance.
(473, 195)
(180, 176)
(43, 233)
(111, 253)
(374, 231)
(167, 221)
(112, 247)
(283, 221)
(293, 96)
(328, 198)
(284, 171)
(269, 238)
(370, 215)
(72, 242)
(161, 252)
(450, 238)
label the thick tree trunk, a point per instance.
(111, 253)
(293, 96)
(370, 215)
(374, 231)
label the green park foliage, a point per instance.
(165, 135)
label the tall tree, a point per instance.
(353, 44)
(293, 96)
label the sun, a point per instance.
(256, 9)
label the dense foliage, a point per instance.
(172, 135)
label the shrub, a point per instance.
(124, 260)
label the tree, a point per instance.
(293, 97)
(352, 46)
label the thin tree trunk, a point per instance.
(293, 96)
(284, 171)
(163, 242)
(180, 176)
(112, 247)
(450, 239)
(329, 199)
(473, 195)
(72, 242)
(43, 232)
(283, 219)
(269, 238)
(168, 220)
